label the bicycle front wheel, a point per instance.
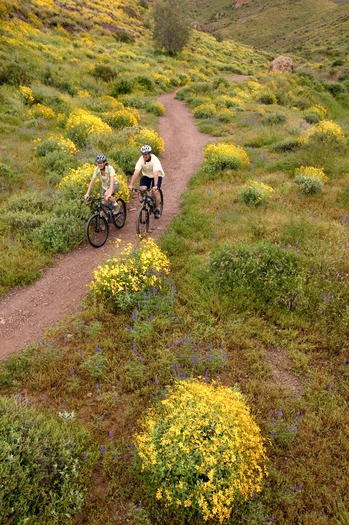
(161, 200)
(143, 221)
(97, 230)
(120, 218)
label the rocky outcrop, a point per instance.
(281, 63)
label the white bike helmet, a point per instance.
(145, 149)
(101, 158)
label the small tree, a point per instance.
(171, 25)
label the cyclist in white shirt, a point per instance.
(149, 166)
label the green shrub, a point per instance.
(144, 83)
(104, 72)
(267, 99)
(126, 157)
(309, 185)
(121, 87)
(43, 474)
(275, 118)
(9, 177)
(258, 275)
(201, 451)
(63, 230)
(56, 164)
(311, 117)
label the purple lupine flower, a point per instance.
(72, 372)
(110, 435)
(280, 413)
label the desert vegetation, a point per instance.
(205, 378)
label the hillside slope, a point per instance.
(310, 30)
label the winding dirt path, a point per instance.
(26, 313)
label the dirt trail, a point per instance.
(26, 313)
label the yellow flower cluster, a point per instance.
(65, 144)
(319, 110)
(39, 110)
(310, 171)
(133, 272)
(220, 155)
(256, 193)
(27, 93)
(148, 136)
(123, 118)
(325, 131)
(92, 124)
(79, 178)
(202, 450)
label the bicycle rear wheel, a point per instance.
(143, 221)
(161, 200)
(97, 230)
(120, 218)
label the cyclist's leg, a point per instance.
(144, 184)
(157, 198)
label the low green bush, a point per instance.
(121, 87)
(43, 473)
(125, 157)
(258, 275)
(275, 118)
(309, 185)
(9, 177)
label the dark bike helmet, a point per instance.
(145, 149)
(101, 158)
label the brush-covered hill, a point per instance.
(313, 31)
(76, 78)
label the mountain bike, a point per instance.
(147, 208)
(97, 227)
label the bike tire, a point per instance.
(143, 221)
(161, 200)
(97, 230)
(120, 218)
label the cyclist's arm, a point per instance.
(87, 194)
(133, 178)
(110, 190)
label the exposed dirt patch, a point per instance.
(25, 314)
(281, 368)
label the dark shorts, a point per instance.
(149, 182)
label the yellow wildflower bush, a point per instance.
(148, 136)
(225, 156)
(123, 118)
(81, 124)
(310, 171)
(201, 450)
(256, 193)
(207, 110)
(77, 179)
(124, 280)
(54, 143)
(325, 131)
(27, 94)
(40, 110)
